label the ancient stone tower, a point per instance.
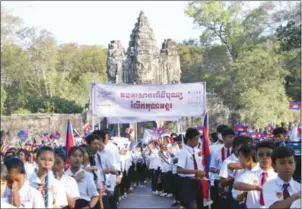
(143, 63)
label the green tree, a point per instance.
(255, 85)
(229, 23)
(290, 42)
(190, 61)
(3, 98)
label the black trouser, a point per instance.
(123, 184)
(215, 196)
(113, 201)
(127, 181)
(191, 193)
(84, 204)
(153, 179)
(159, 180)
(131, 174)
(166, 180)
(176, 186)
(229, 202)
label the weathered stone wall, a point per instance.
(38, 124)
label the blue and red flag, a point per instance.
(240, 128)
(69, 137)
(69, 141)
(206, 160)
(294, 105)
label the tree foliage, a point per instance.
(250, 57)
(34, 67)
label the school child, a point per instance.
(24, 155)
(252, 182)
(190, 168)
(69, 183)
(283, 191)
(3, 176)
(248, 161)
(44, 180)
(20, 193)
(89, 195)
(230, 169)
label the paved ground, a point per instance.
(142, 197)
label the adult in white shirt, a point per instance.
(230, 169)
(282, 192)
(190, 168)
(89, 195)
(20, 194)
(69, 183)
(253, 181)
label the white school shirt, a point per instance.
(155, 161)
(60, 194)
(128, 161)
(165, 162)
(4, 204)
(114, 154)
(29, 169)
(215, 150)
(98, 183)
(87, 187)
(106, 163)
(273, 190)
(185, 160)
(253, 177)
(225, 172)
(71, 186)
(29, 197)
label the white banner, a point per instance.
(176, 100)
(126, 120)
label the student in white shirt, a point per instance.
(69, 183)
(220, 150)
(20, 193)
(89, 195)
(282, 192)
(114, 156)
(230, 168)
(24, 155)
(56, 196)
(253, 181)
(190, 167)
(3, 187)
(248, 161)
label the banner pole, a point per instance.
(136, 132)
(118, 130)
(92, 105)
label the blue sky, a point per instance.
(99, 22)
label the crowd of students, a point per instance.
(98, 174)
(244, 173)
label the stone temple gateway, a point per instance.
(143, 63)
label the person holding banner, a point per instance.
(190, 168)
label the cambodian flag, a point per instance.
(206, 162)
(69, 137)
(294, 105)
(239, 128)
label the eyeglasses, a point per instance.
(263, 154)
